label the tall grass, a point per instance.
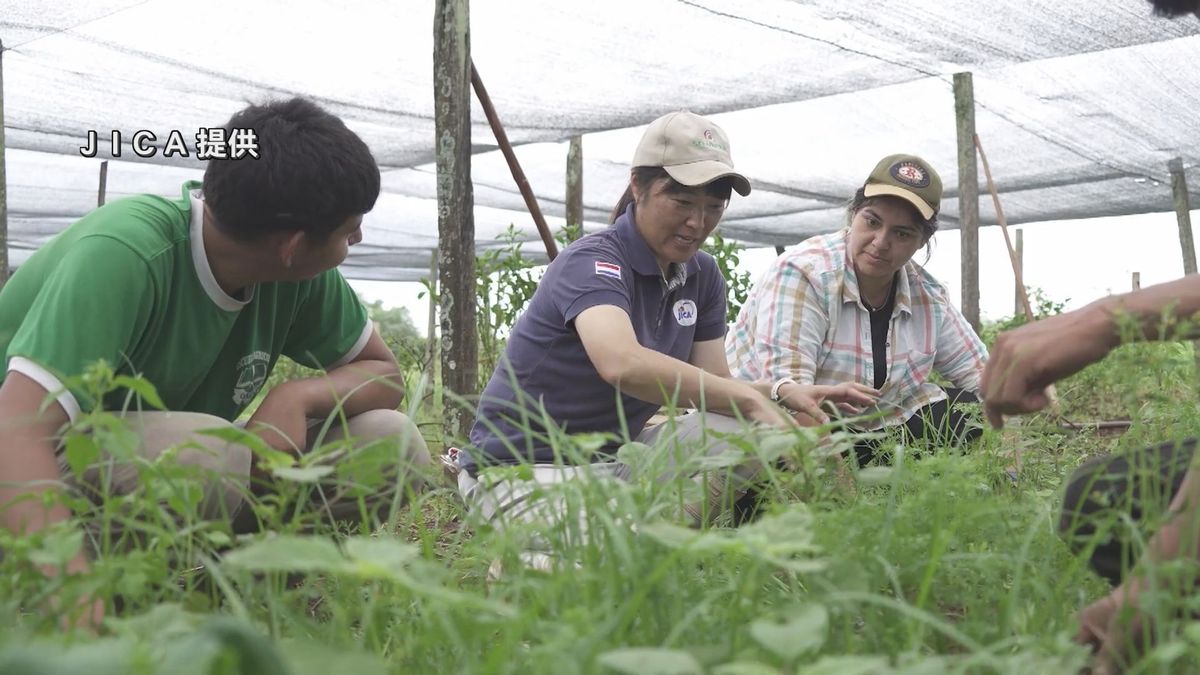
(936, 563)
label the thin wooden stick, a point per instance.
(1012, 253)
(514, 166)
(1051, 393)
(103, 191)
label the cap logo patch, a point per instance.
(607, 269)
(911, 174)
(709, 141)
(710, 145)
(685, 312)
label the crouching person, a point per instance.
(624, 322)
(201, 295)
(853, 309)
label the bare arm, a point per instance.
(27, 459)
(1103, 625)
(1181, 298)
(1180, 535)
(372, 381)
(29, 469)
(709, 356)
(1025, 361)
(612, 347)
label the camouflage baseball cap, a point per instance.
(693, 150)
(910, 178)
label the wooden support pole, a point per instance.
(1137, 281)
(1183, 213)
(575, 188)
(1019, 273)
(968, 195)
(1179, 190)
(3, 184)
(513, 165)
(456, 219)
(103, 183)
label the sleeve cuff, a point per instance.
(49, 382)
(359, 345)
(713, 332)
(595, 299)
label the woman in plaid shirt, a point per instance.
(853, 306)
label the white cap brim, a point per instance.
(879, 189)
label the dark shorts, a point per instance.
(938, 424)
(1114, 501)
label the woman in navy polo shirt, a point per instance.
(624, 322)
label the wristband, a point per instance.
(778, 384)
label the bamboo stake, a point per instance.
(514, 166)
(1051, 393)
(1012, 253)
(103, 191)
(1018, 286)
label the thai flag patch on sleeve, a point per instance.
(608, 269)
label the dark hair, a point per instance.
(928, 225)
(646, 176)
(1175, 7)
(311, 174)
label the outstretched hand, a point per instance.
(1109, 631)
(849, 397)
(1027, 360)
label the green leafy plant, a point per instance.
(1041, 304)
(936, 563)
(737, 283)
(505, 281)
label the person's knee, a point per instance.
(223, 465)
(392, 425)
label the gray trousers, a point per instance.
(499, 497)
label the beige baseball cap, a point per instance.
(693, 150)
(910, 178)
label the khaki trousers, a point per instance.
(222, 468)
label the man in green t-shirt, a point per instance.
(201, 295)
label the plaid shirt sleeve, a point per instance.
(961, 355)
(790, 324)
